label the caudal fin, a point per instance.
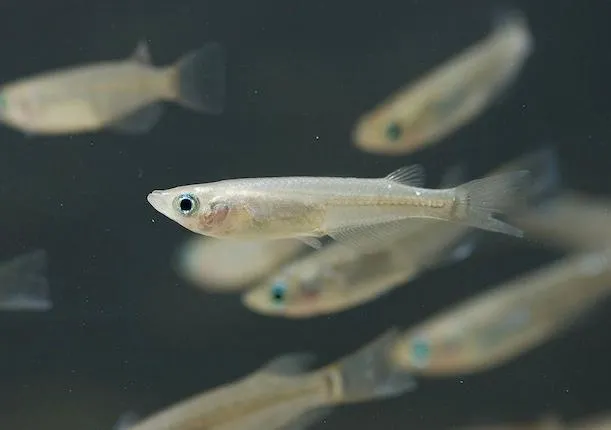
(201, 79)
(493, 195)
(370, 374)
(23, 283)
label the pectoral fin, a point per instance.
(138, 122)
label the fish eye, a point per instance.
(393, 131)
(420, 352)
(278, 292)
(187, 204)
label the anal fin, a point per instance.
(138, 122)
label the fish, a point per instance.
(336, 278)
(599, 422)
(229, 266)
(122, 95)
(499, 325)
(572, 221)
(346, 209)
(24, 285)
(450, 96)
(284, 393)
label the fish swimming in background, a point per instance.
(283, 393)
(223, 265)
(449, 97)
(23, 283)
(122, 95)
(501, 324)
(346, 209)
(336, 278)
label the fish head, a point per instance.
(19, 107)
(425, 351)
(391, 131)
(296, 292)
(201, 209)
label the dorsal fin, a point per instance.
(409, 175)
(142, 54)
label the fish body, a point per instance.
(343, 208)
(336, 278)
(122, 94)
(282, 393)
(450, 96)
(501, 324)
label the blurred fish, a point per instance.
(223, 265)
(122, 95)
(283, 393)
(449, 97)
(346, 209)
(573, 221)
(23, 283)
(499, 325)
(337, 278)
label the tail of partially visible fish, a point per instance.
(23, 283)
(370, 374)
(482, 198)
(199, 79)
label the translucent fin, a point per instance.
(290, 364)
(453, 177)
(370, 373)
(140, 121)
(505, 18)
(545, 179)
(413, 176)
(492, 195)
(126, 421)
(201, 79)
(363, 237)
(310, 241)
(308, 419)
(23, 283)
(460, 252)
(141, 54)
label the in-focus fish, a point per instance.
(23, 283)
(336, 278)
(346, 209)
(223, 265)
(501, 324)
(122, 95)
(283, 393)
(449, 97)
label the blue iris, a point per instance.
(278, 292)
(420, 352)
(393, 131)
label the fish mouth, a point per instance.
(161, 202)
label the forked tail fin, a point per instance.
(370, 374)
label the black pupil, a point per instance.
(278, 294)
(393, 131)
(186, 204)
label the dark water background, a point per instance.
(127, 334)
